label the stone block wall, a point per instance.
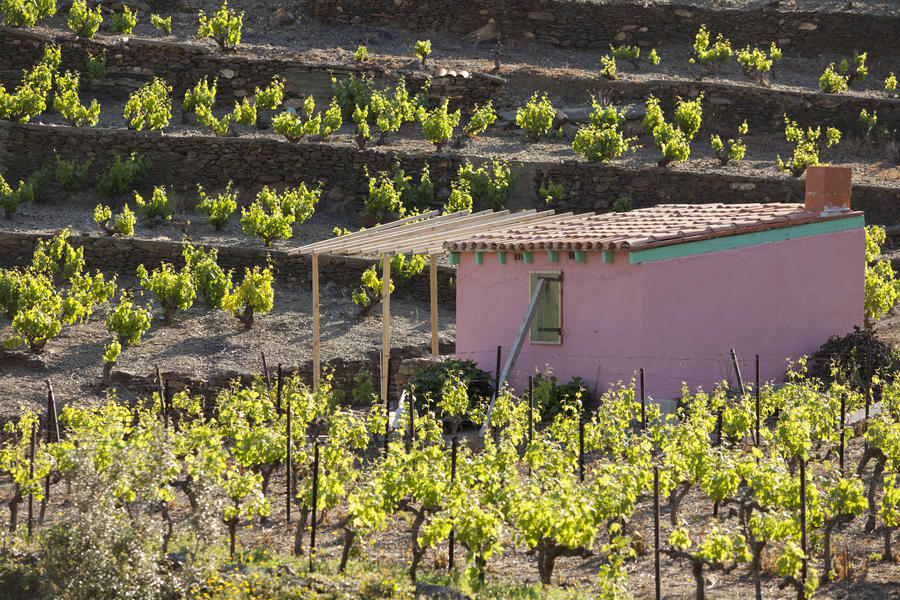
(593, 24)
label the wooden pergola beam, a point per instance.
(385, 325)
(321, 246)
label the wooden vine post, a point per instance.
(385, 323)
(315, 298)
(432, 279)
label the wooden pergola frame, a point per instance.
(420, 234)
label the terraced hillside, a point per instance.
(557, 77)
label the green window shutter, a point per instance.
(546, 328)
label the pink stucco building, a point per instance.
(670, 288)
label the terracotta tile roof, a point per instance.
(661, 225)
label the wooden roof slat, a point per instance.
(436, 224)
(524, 217)
(402, 237)
(378, 229)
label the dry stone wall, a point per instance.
(594, 24)
(132, 62)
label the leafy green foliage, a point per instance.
(160, 24)
(552, 398)
(201, 95)
(755, 64)
(210, 280)
(361, 54)
(806, 153)
(432, 385)
(123, 22)
(653, 57)
(536, 117)
(157, 208)
(882, 286)
(736, 147)
(855, 357)
(608, 67)
(869, 120)
(96, 66)
(83, 21)
(121, 174)
(71, 174)
(270, 97)
(253, 296)
(11, 199)
(352, 93)
(174, 290)
(150, 107)
(438, 124)
(121, 224)
(128, 321)
(224, 27)
(482, 118)
(422, 49)
(219, 208)
(294, 127)
(720, 51)
(603, 140)
(622, 204)
(834, 81)
(363, 135)
(673, 141)
(890, 84)
(552, 191)
(26, 13)
(831, 81)
(630, 53)
(30, 98)
(394, 195)
(489, 184)
(266, 220)
(460, 197)
(372, 288)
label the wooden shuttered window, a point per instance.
(546, 328)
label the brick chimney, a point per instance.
(827, 188)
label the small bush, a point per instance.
(630, 53)
(298, 203)
(552, 191)
(653, 57)
(372, 288)
(736, 148)
(489, 184)
(25, 13)
(96, 66)
(868, 120)
(30, 98)
(831, 81)
(689, 115)
(224, 27)
(201, 95)
(211, 281)
(394, 195)
(756, 65)
(253, 296)
(622, 204)
(806, 152)
(890, 85)
(157, 208)
(603, 140)
(363, 135)
(10, 199)
(150, 107)
(83, 21)
(128, 321)
(482, 118)
(608, 67)
(121, 224)
(882, 286)
(174, 290)
(218, 209)
(124, 22)
(161, 25)
(720, 51)
(428, 384)
(271, 97)
(552, 398)
(460, 197)
(352, 93)
(121, 174)
(438, 125)
(856, 356)
(536, 117)
(422, 49)
(71, 174)
(266, 224)
(57, 258)
(361, 54)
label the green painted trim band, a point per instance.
(454, 258)
(553, 256)
(479, 258)
(580, 256)
(730, 242)
(609, 256)
(527, 257)
(501, 258)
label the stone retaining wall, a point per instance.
(592, 24)
(132, 62)
(123, 255)
(182, 162)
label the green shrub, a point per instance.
(25, 13)
(34, 327)
(121, 224)
(201, 95)
(756, 65)
(244, 112)
(295, 128)
(890, 84)
(653, 116)
(71, 174)
(674, 142)
(689, 115)
(68, 104)
(482, 118)
(736, 148)
(869, 120)
(630, 53)
(363, 135)
(361, 54)
(388, 115)
(856, 356)
(603, 140)
(30, 98)
(121, 174)
(622, 204)
(882, 286)
(266, 224)
(429, 382)
(552, 191)
(856, 72)
(270, 98)
(460, 197)
(157, 208)
(298, 203)
(608, 67)
(831, 81)
(173, 290)
(422, 49)
(57, 258)
(218, 209)
(352, 93)
(224, 27)
(10, 199)
(211, 281)
(372, 288)
(438, 124)
(653, 57)
(551, 398)
(253, 296)
(536, 117)
(83, 21)
(96, 66)
(720, 51)
(150, 107)
(124, 22)
(162, 25)
(128, 321)
(392, 195)
(808, 146)
(489, 184)
(331, 119)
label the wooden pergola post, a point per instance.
(385, 323)
(432, 274)
(315, 299)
